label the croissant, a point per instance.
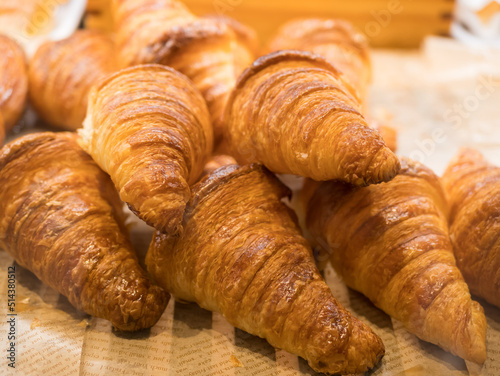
(166, 32)
(473, 189)
(293, 112)
(391, 243)
(13, 82)
(337, 40)
(246, 47)
(62, 73)
(216, 162)
(242, 255)
(343, 46)
(149, 129)
(2, 130)
(62, 219)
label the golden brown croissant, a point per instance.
(293, 112)
(473, 189)
(343, 46)
(62, 73)
(216, 162)
(391, 242)
(242, 255)
(62, 219)
(337, 40)
(166, 32)
(246, 46)
(13, 82)
(149, 129)
(2, 130)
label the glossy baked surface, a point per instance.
(473, 188)
(62, 220)
(294, 113)
(242, 254)
(149, 129)
(391, 242)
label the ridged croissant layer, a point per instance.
(391, 242)
(13, 82)
(294, 113)
(62, 73)
(149, 129)
(242, 254)
(337, 40)
(166, 32)
(62, 219)
(473, 188)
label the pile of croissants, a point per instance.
(176, 118)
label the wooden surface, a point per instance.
(387, 23)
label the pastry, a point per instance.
(473, 188)
(149, 129)
(242, 254)
(246, 46)
(294, 113)
(343, 46)
(62, 220)
(62, 73)
(391, 243)
(166, 32)
(13, 82)
(337, 40)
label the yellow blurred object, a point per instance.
(98, 16)
(386, 23)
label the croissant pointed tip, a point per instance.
(147, 310)
(383, 168)
(472, 340)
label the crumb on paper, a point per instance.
(236, 362)
(23, 304)
(84, 323)
(35, 323)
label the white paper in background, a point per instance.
(33, 22)
(477, 22)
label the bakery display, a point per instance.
(62, 219)
(259, 188)
(391, 242)
(149, 129)
(62, 73)
(473, 188)
(242, 254)
(293, 112)
(13, 82)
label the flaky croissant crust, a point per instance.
(390, 242)
(473, 188)
(337, 40)
(13, 82)
(294, 112)
(62, 73)
(242, 254)
(149, 129)
(62, 219)
(166, 32)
